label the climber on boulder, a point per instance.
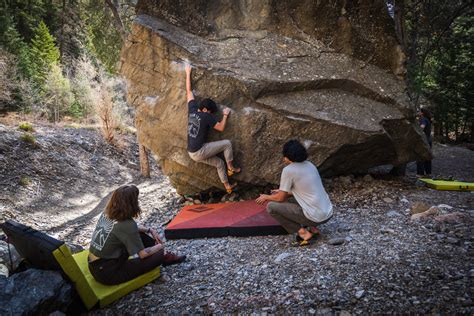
(301, 179)
(200, 120)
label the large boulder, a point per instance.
(34, 292)
(9, 256)
(327, 73)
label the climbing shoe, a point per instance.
(171, 258)
(231, 172)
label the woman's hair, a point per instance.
(208, 104)
(295, 151)
(123, 204)
(426, 113)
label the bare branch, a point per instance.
(117, 19)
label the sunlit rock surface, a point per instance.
(325, 74)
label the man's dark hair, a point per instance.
(208, 104)
(295, 151)
(426, 113)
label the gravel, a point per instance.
(370, 258)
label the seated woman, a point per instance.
(117, 236)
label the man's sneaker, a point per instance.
(171, 258)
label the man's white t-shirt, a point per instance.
(303, 181)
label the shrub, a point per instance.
(58, 97)
(28, 95)
(75, 110)
(8, 74)
(26, 126)
(85, 87)
(28, 138)
(107, 117)
(24, 181)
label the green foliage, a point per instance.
(75, 110)
(441, 64)
(8, 71)
(28, 138)
(28, 95)
(452, 76)
(84, 86)
(104, 40)
(15, 44)
(25, 14)
(24, 181)
(26, 126)
(58, 96)
(44, 54)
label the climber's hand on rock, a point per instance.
(261, 199)
(226, 111)
(187, 68)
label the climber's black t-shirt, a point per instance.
(427, 130)
(199, 124)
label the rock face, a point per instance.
(326, 73)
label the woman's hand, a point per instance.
(144, 253)
(156, 236)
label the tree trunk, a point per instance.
(117, 18)
(399, 17)
(61, 42)
(144, 162)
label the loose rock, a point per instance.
(359, 294)
(388, 200)
(282, 256)
(430, 212)
(336, 241)
(419, 207)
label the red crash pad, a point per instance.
(218, 220)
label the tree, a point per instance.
(436, 36)
(15, 44)
(71, 33)
(44, 53)
(7, 70)
(57, 98)
(108, 23)
(450, 82)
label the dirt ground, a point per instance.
(386, 262)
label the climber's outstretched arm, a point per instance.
(220, 126)
(189, 91)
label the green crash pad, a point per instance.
(90, 291)
(449, 185)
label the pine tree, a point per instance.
(15, 44)
(44, 53)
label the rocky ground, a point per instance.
(371, 258)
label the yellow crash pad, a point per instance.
(91, 291)
(449, 185)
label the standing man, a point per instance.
(423, 168)
(301, 179)
(200, 120)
